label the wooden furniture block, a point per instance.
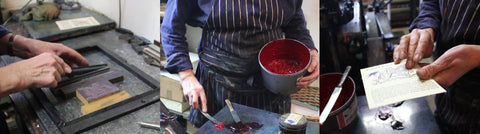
(112, 76)
(104, 102)
(96, 91)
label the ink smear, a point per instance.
(241, 127)
(218, 125)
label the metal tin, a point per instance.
(340, 118)
(284, 84)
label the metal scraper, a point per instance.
(232, 111)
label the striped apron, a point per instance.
(232, 37)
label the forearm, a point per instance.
(186, 74)
(9, 83)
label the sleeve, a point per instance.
(297, 27)
(173, 35)
(4, 31)
(429, 16)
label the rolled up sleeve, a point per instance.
(429, 16)
(173, 35)
(297, 27)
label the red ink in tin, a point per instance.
(285, 66)
(328, 84)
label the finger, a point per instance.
(411, 48)
(424, 45)
(401, 50)
(64, 66)
(57, 76)
(444, 78)
(203, 98)
(314, 62)
(74, 58)
(430, 70)
(195, 101)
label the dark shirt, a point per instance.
(196, 12)
(455, 22)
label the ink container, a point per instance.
(292, 123)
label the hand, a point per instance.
(452, 65)
(314, 69)
(414, 47)
(26, 48)
(192, 89)
(44, 70)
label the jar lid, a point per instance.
(293, 120)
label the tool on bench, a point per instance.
(233, 112)
(149, 125)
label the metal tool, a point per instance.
(149, 125)
(233, 112)
(334, 96)
(85, 69)
(211, 118)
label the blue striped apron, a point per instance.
(232, 37)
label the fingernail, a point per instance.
(422, 74)
(68, 70)
(417, 57)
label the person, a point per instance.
(454, 26)
(233, 34)
(43, 66)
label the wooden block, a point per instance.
(96, 91)
(104, 102)
(175, 105)
(70, 90)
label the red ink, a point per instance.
(243, 127)
(218, 125)
(284, 66)
(328, 84)
(284, 56)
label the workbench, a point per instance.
(36, 119)
(415, 114)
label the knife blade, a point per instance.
(232, 111)
(334, 96)
(210, 117)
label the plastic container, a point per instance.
(292, 123)
(282, 63)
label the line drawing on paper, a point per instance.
(391, 73)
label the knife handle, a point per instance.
(344, 76)
(229, 104)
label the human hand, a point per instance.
(26, 48)
(452, 65)
(414, 46)
(314, 69)
(192, 89)
(44, 70)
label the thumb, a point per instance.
(428, 71)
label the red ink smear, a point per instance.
(329, 82)
(285, 66)
(218, 125)
(243, 127)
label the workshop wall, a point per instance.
(140, 16)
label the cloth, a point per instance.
(233, 34)
(196, 12)
(44, 12)
(455, 22)
(4, 31)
